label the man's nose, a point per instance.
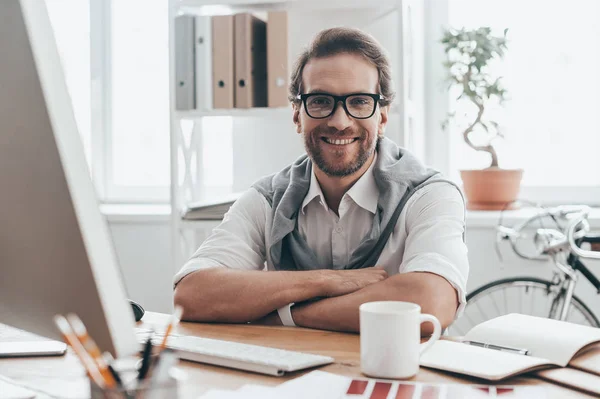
(339, 120)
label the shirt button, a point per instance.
(339, 229)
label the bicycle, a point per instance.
(562, 246)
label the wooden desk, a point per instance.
(66, 376)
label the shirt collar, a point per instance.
(364, 192)
(314, 191)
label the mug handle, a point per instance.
(437, 331)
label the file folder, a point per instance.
(277, 59)
(185, 86)
(203, 71)
(250, 61)
(223, 61)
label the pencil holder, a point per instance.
(167, 389)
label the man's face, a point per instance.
(340, 145)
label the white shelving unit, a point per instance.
(269, 132)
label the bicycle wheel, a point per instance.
(526, 295)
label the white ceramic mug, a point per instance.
(390, 335)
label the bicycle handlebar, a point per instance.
(572, 236)
(555, 240)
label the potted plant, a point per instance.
(469, 53)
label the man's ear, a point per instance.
(383, 119)
(296, 117)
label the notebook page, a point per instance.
(557, 341)
(588, 360)
(573, 378)
(479, 362)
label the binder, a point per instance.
(277, 59)
(214, 209)
(223, 61)
(185, 95)
(250, 61)
(203, 70)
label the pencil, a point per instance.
(84, 357)
(174, 320)
(92, 349)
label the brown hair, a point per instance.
(339, 40)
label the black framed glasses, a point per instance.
(323, 105)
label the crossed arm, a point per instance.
(234, 296)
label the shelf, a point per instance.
(248, 112)
(225, 7)
(239, 112)
(198, 224)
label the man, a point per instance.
(356, 220)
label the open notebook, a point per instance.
(549, 343)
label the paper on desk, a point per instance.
(322, 385)
(247, 391)
(11, 391)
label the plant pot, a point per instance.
(491, 188)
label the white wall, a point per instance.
(144, 251)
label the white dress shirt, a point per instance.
(428, 236)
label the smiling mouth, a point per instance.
(339, 141)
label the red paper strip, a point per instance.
(381, 390)
(500, 391)
(405, 391)
(357, 387)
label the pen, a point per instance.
(146, 358)
(498, 347)
(84, 357)
(90, 346)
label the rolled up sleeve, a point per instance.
(435, 243)
(237, 243)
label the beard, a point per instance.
(334, 162)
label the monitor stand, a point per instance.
(19, 343)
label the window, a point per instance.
(115, 55)
(71, 24)
(137, 147)
(551, 71)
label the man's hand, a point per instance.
(342, 282)
(239, 296)
(432, 292)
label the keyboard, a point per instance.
(259, 359)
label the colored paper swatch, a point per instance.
(381, 390)
(357, 387)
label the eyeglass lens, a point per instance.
(321, 105)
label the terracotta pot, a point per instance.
(491, 188)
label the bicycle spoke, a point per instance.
(496, 305)
(551, 298)
(481, 311)
(470, 320)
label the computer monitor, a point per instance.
(56, 256)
